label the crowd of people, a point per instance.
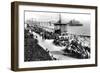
(75, 45)
(42, 32)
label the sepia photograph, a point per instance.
(56, 36)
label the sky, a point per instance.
(85, 19)
(50, 16)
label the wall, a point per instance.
(5, 40)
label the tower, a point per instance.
(59, 19)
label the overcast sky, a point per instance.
(65, 17)
(85, 19)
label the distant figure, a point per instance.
(35, 37)
(28, 26)
(31, 36)
(53, 58)
(47, 50)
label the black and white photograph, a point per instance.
(56, 36)
(51, 36)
